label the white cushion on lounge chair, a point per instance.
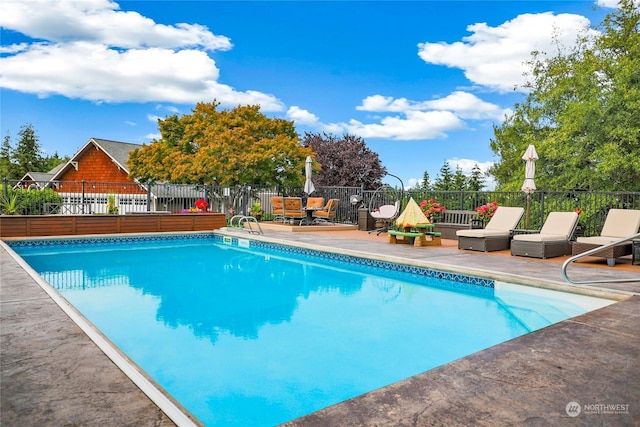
(597, 240)
(539, 237)
(501, 223)
(558, 226)
(621, 223)
(482, 232)
(618, 224)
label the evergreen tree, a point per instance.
(459, 180)
(444, 181)
(6, 153)
(51, 162)
(476, 180)
(426, 183)
(27, 156)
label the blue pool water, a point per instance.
(256, 334)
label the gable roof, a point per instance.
(116, 150)
(40, 177)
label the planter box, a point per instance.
(65, 225)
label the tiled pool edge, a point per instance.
(159, 397)
(238, 241)
(597, 292)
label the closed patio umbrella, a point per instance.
(529, 186)
(308, 184)
(411, 216)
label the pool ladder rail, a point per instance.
(593, 251)
(239, 221)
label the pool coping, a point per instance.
(501, 276)
(147, 385)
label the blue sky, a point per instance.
(422, 82)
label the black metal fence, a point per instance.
(94, 198)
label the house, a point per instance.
(96, 171)
(99, 171)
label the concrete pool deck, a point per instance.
(53, 374)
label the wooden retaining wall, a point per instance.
(65, 225)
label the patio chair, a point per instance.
(553, 240)
(315, 202)
(327, 214)
(277, 208)
(497, 233)
(620, 223)
(293, 209)
(385, 215)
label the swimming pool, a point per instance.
(251, 333)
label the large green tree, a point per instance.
(6, 164)
(476, 181)
(444, 180)
(582, 113)
(345, 161)
(225, 147)
(426, 181)
(27, 157)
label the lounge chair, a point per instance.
(385, 215)
(277, 208)
(620, 223)
(553, 239)
(293, 209)
(497, 233)
(327, 214)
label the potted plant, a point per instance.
(485, 212)
(202, 205)
(256, 210)
(112, 208)
(432, 209)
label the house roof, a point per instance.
(37, 176)
(118, 151)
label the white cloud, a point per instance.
(154, 118)
(495, 56)
(96, 52)
(130, 123)
(491, 56)
(412, 183)
(102, 21)
(414, 125)
(467, 165)
(414, 120)
(465, 105)
(607, 3)
(303, 117)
